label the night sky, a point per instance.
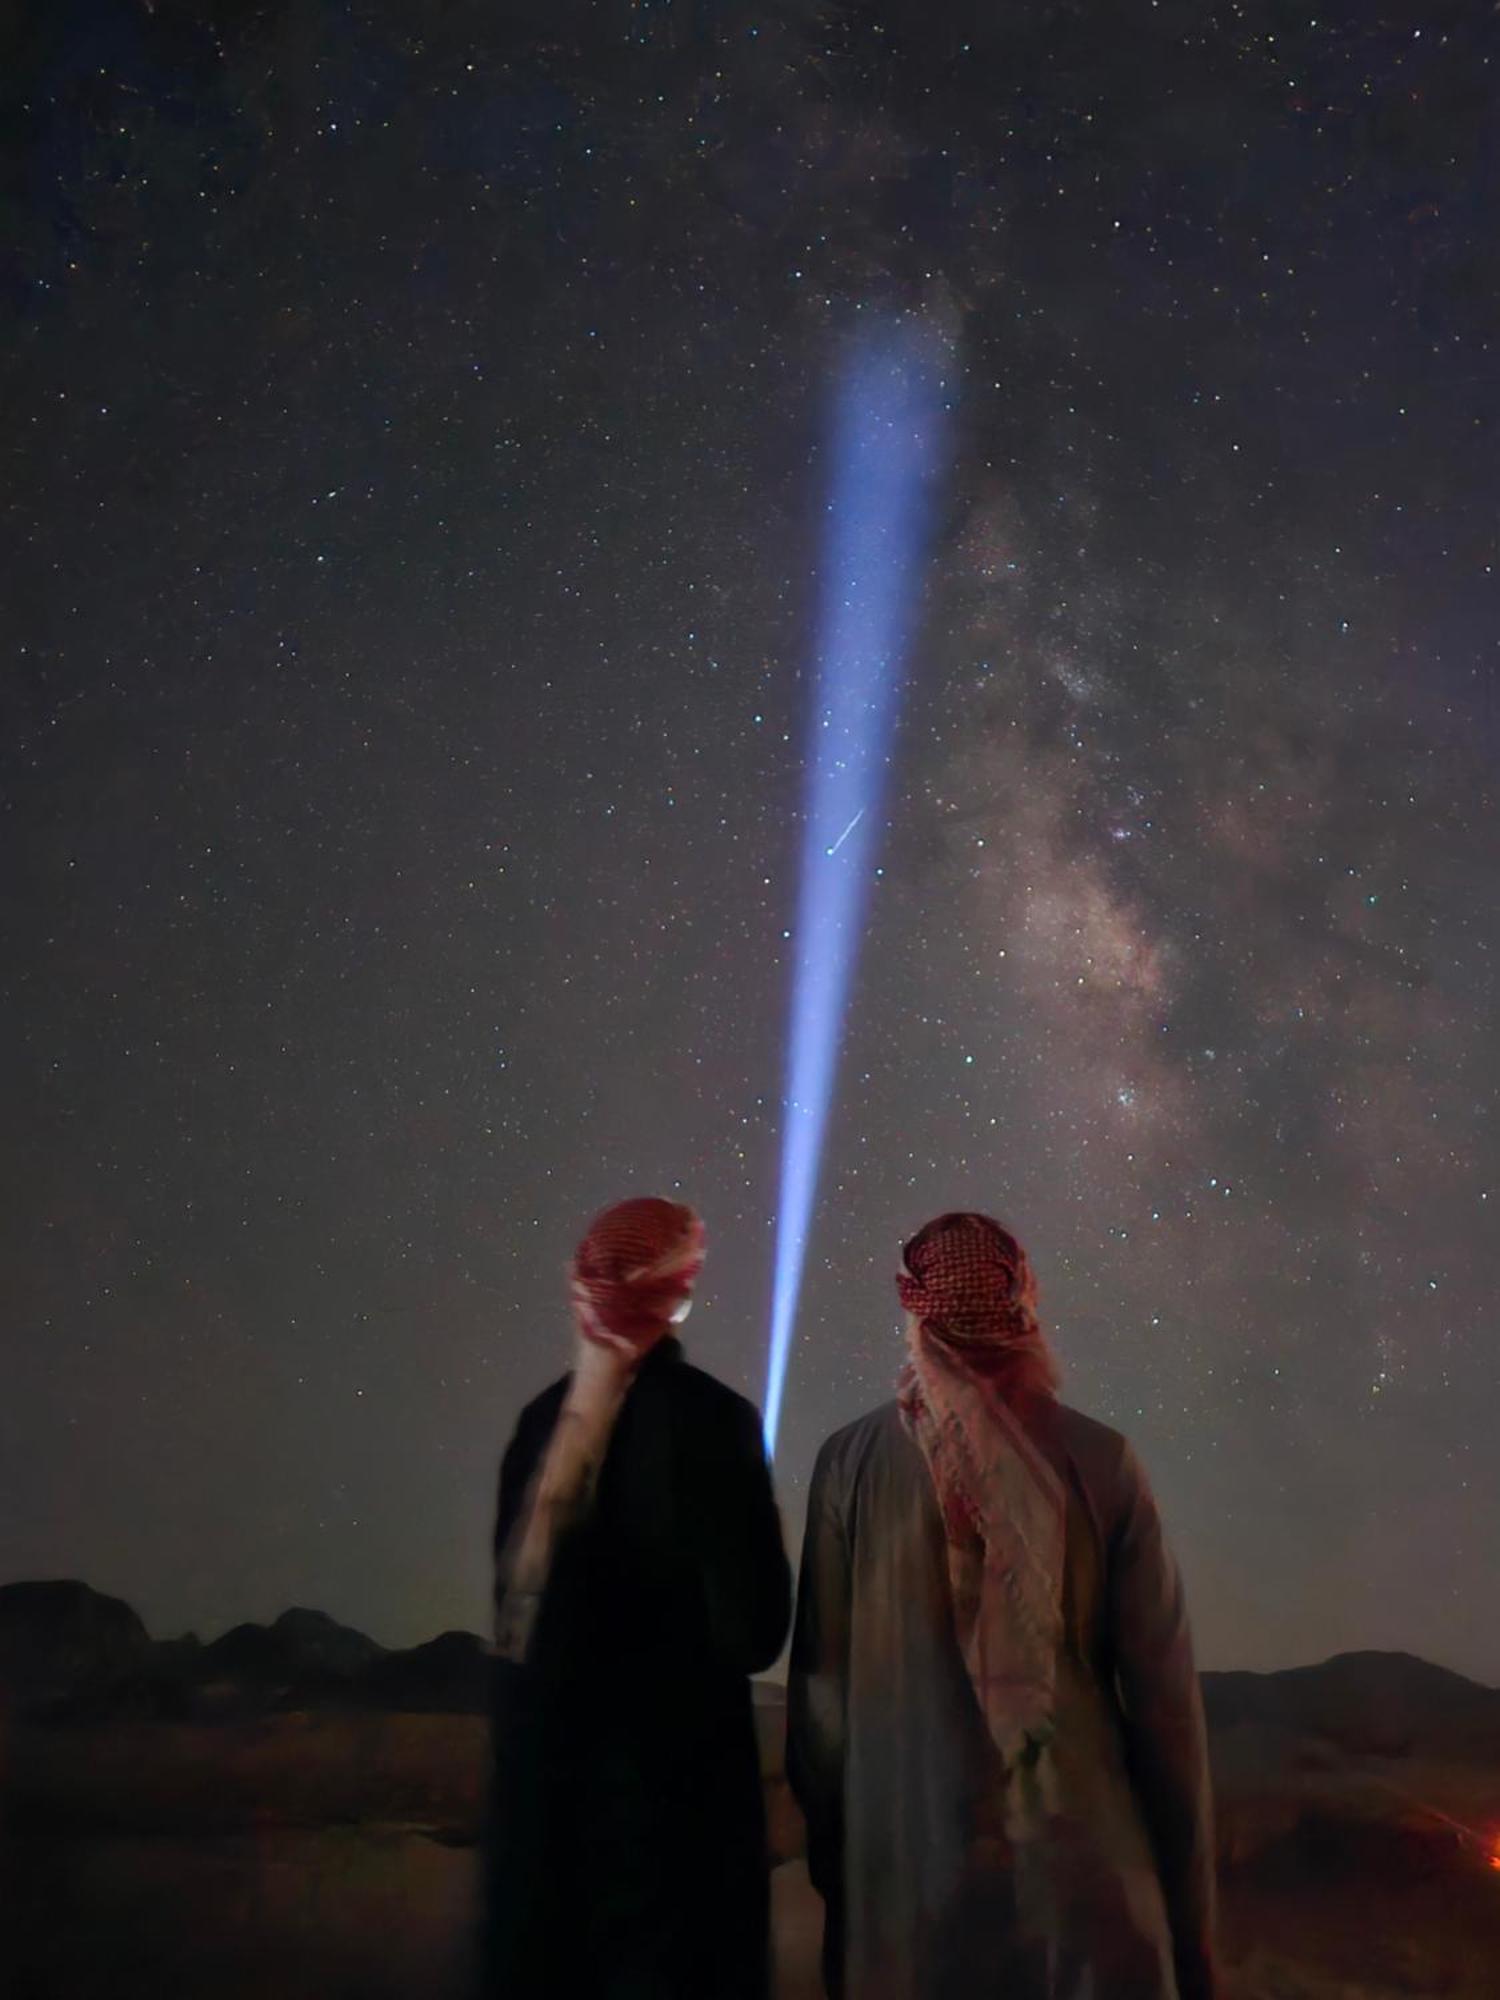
(415, 427)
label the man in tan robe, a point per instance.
(995, 1727)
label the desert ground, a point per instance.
(248, 1846)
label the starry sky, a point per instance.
(415, 434)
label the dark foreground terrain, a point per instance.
(293, 1811)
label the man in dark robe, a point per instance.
(640, 1578)
(995, 1727)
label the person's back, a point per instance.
(675, 1586)
(1071, 1857)
(627, 1853)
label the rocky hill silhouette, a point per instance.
(68, 1649)
(1365, 1704)
(299, 1645)
(60, 1636)
(449, 1675)
(68, 1652)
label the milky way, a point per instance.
(415, 469)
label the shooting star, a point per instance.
(831, 851)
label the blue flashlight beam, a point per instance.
(887, 428)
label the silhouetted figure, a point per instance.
(640, 1578)
(995, 1727)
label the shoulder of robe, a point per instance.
(1088, 1434)
(850, 1446)
(542, 1410)
(709, 1399)
(1104, 1458)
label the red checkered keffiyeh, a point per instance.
(630, 1275)
(970, 1283)
(972, 1295)
(633, 1270)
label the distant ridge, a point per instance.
(60, 1633)
(297, 1644)
(1366, 1703)
(69, 1650)
(448, 1674)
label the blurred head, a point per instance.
(633, 1273)
(968, 1286)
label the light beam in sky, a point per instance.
(887, 433)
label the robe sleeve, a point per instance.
(818, 1684)
(516, 1469)
(741, 1555)
(1165, 1734)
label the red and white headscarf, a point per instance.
(629, 1279)
(976, 1348)
(633, 1271)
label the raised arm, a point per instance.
(522, 1456)
(1165, 1736)
(817, 1689)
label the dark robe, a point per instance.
(930, 1893)
(627, 1852)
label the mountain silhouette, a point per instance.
(1365, 1703)
(69, 1649)
(301, 1646)
(60, 1636)
(448, 1675)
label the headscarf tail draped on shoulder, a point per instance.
(970, 1291)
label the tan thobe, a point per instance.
(932, 1890)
